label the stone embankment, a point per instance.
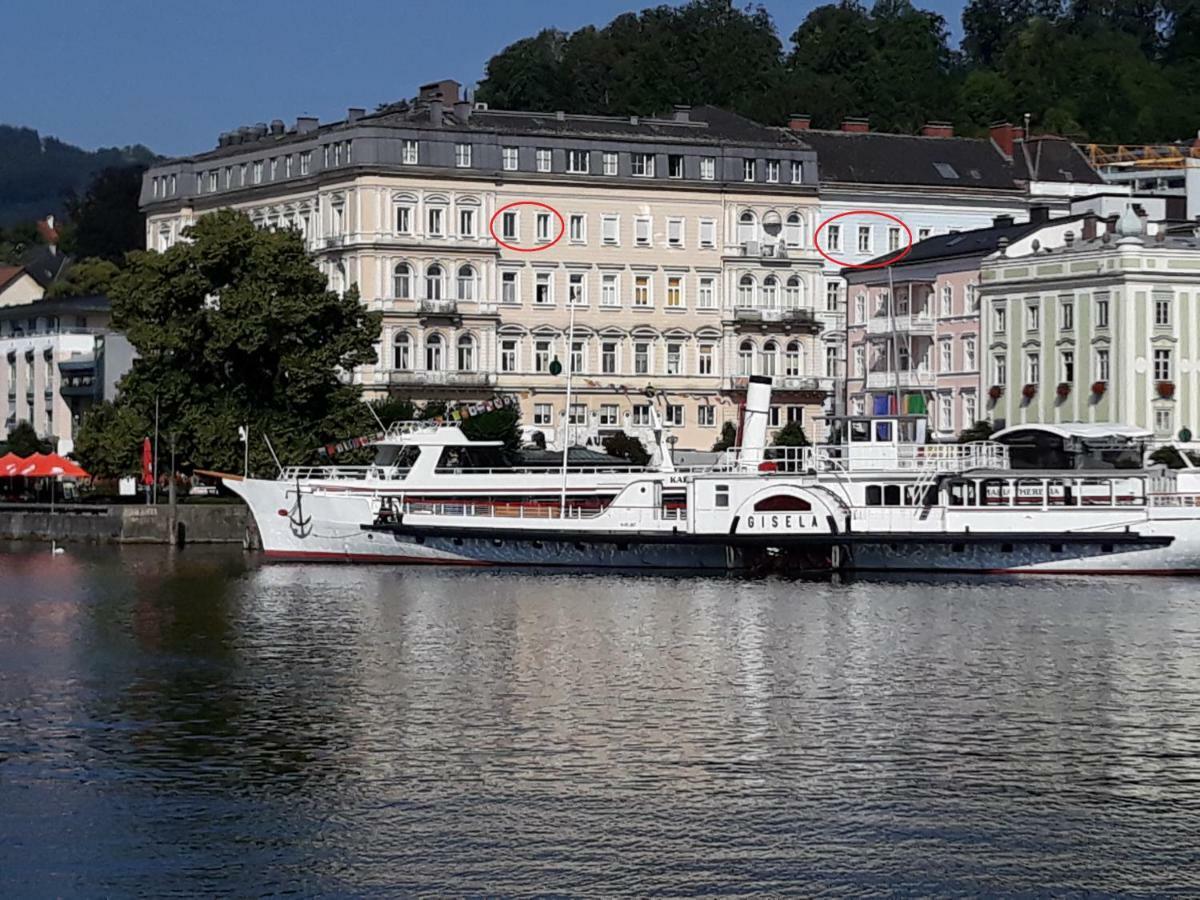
(200, 523)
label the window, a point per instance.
(748, 170)
(770, 292)
(706, 294)
(508, 225)
(466, 223)
(466, 353)
(1068, 366)
(773, 171)
(642, 164)
(1066, 315)
(541, 355)
(404, 218)
(213, 176)
(577, 355)
(767, 358)
(508, 159)
(946, 411)
(945, 356)
(641, 358)
(1000, 319)
(433, 282)
(608, 415)
(608, 357)
(674, 358)
(466, 283)
(1164, 420)
(1033, 318)
(708, 233)
(508, 287)
(402, 282)
(831, 362)
(1162, 312)
(171, 188)
(1000, 369)
(1033, 368)
(579, 162)
(402, 352)
(433, 353)
(832, 296)
(674, 415)
(305, 164)
(609, 290)
(462, 155)
(793, 360)
(674, 166)
(864, 238)
(833, 237)
(610, 164)
(436, 221)
(923, 233)
(576, 292)
(543, 159)
(274, 168)
(610, 227)
(674, 232)
(747, 229)
(970, 409)
(746, 358)
(543, 414)
(947, 300)
(508, 355)
(641, 414)
(792, 292)
(1102, 365)
(542, 293)
(542, 227)
(408, 153)
(745, 295)
(641, 231)
(578, 228)
(228, 177)
(860, 308)
(893, 238)
(674, 292)
(708, 168)
(704, 359)
(1101, 312)
(793, 231)
(339, 215)
(706, 415)
(970, 363)
(1162, 365)
(641, 290)
(797, 171)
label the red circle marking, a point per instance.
(562, 227)
(900, 254)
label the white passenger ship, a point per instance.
(879, 501)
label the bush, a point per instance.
(790, 435)
(623, 446)
(728, 438)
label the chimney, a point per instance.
(799, 122)
(1002, 221)
(223, 139)
(1039, 213)
(1003, 135)
(445, 90)
(260, 129)
(855, 123)
(306, 124)
(354, 113)
(435, 113)
(937, 129)
(683, 113)
(462, 112)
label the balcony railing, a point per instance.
(912, 378)
(782, 383)
(793, 317)
(426, 378)
(902, 323)
(442, 307)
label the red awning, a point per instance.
(9, 463)
(48, 465)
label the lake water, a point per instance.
(204, 723)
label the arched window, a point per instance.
(767, 359)
(770, 292)
(746, 291)
(747, 227)
(746, 358)
(466, 353)
(402, 351)
(794, 292)
(433, 282)
(793, 234)
(402, 282)
(466, 283)
(434, 359)
(793, 360)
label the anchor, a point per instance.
(300, 524)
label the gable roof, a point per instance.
(871, 157)
(8, 274)
(1048, 157)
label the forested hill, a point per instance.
(37, 174)
(1102, 70)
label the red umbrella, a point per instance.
(48, 465)
(9, 463)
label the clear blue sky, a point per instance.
(172, 74)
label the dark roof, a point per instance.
(1048, 157)
(576, 456)
(9, 274)
(44, 264)
(868, 157)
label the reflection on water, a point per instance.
(199, 723)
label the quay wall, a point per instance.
(209, 523)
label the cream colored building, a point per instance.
(683, 246)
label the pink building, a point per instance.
(913, 328)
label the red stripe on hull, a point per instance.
(332, 556)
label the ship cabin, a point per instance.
(1074, 445)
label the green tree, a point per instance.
(237, 326)
(109, 444)
(790, 435)
(23, 440)
(86, 278)
(105, 222)
(980, 431)
(727, 439)
(623, 446)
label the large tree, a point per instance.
(233, 326)
(106, 222)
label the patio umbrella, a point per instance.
(9, 463)
(50, 465)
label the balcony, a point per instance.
(766, 250)
(786, 319)
(399, 378)
(446, 307)
(782, 383)
(921, 324)
(912, 378)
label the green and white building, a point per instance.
(1105, 328)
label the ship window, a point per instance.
(891, 495)
(874, 495)
(883, 432)
(1006, 548)
(721, 496)
(860, 432)
(1106, 548)
(1056, 548)
(958, 548)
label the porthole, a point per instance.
(1006, 548)
(1056, 548)
(1106, 548)
(958, 548)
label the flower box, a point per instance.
(1029, 391)
(996, 391)
(1063, 389)
(1099, 387)
(1166, 389)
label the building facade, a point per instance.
(681, 246)
(1101, 329)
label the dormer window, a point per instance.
(578, 161)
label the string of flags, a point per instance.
(458, 414)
